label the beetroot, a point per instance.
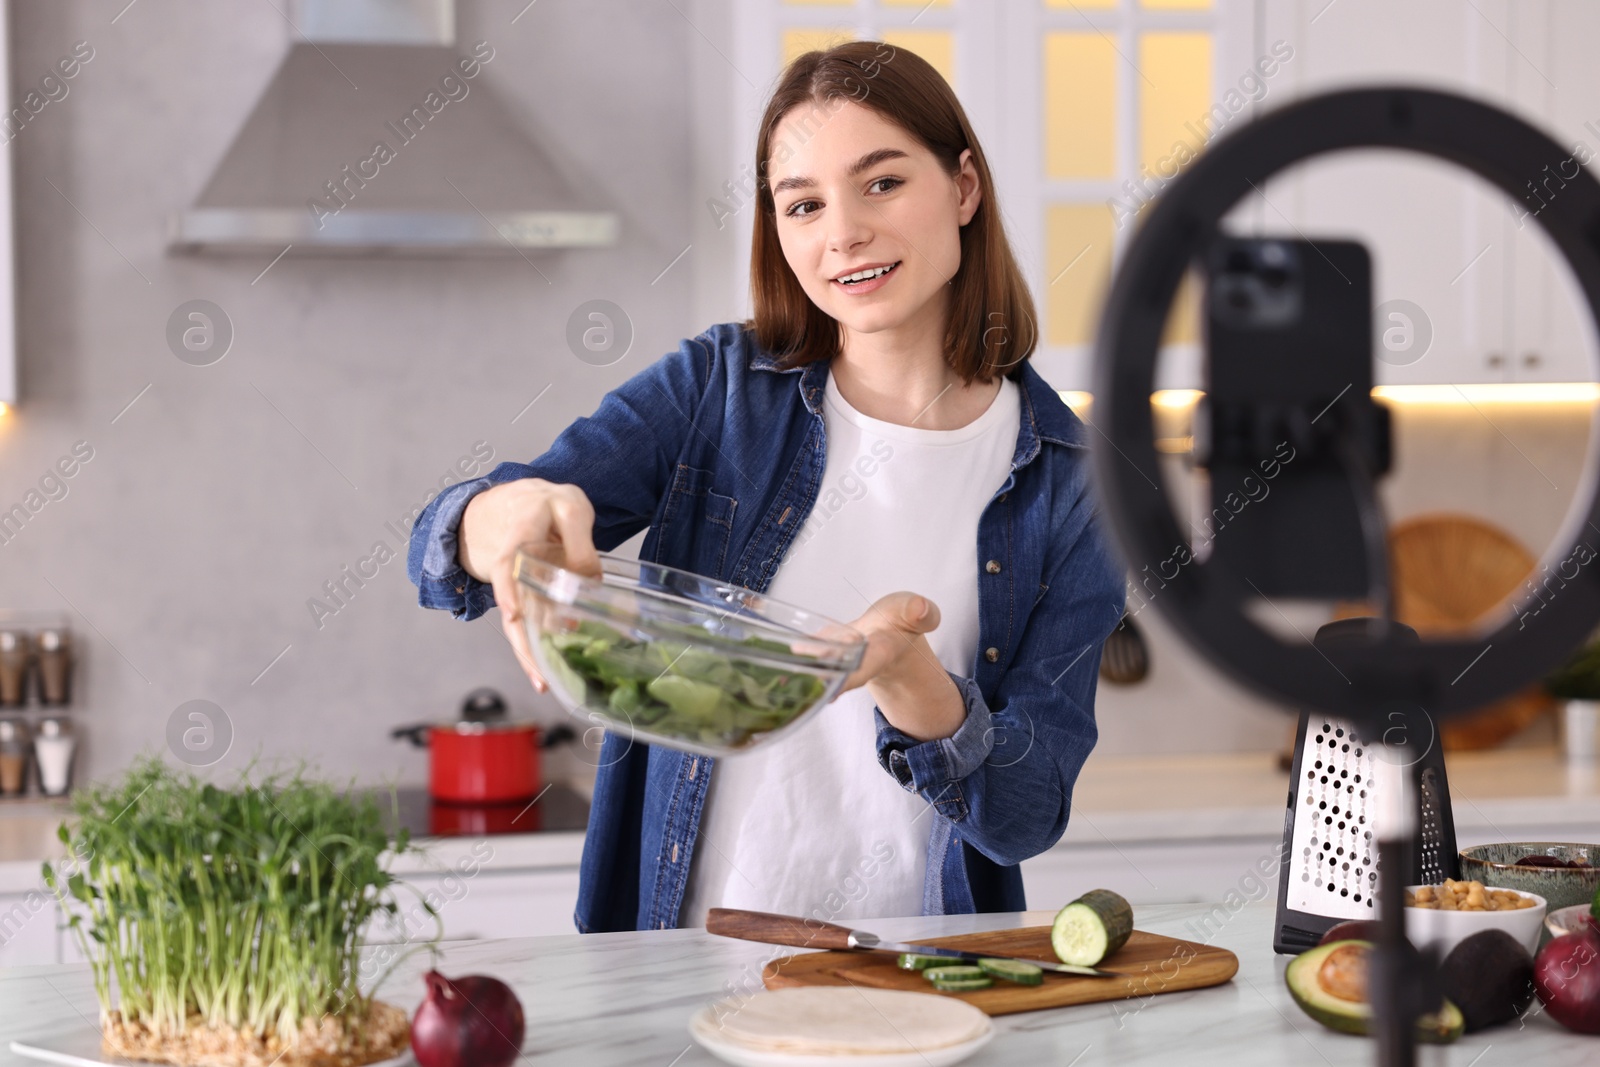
(1541, 860)
(467, 1022)
(1567, 978)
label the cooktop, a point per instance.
(560, 808)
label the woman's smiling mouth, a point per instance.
(867, 279)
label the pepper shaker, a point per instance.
(52, 748)
(55, 666)
(13, 757)
(13, 667)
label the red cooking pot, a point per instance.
(483, 758)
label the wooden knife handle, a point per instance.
(776, 929)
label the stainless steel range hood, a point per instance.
(379, 135)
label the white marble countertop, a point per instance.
(625, 999)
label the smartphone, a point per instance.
(1288, 404)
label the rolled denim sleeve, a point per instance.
(931, 767)
(442, 581)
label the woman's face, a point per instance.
(854, 192)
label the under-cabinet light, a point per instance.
(1472, 393)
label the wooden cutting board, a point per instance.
(1150, 962)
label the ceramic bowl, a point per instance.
(1494, 865)
(1447, 929)
(1566, 920)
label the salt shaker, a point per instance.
(55, 666)
(13, 757)
(13, 667)
(52, 748)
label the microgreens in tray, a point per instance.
(228, 920)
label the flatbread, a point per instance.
(834, 1020)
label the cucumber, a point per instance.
(1012, 971)
(910, 961)
(958, 978)
(1091, 928)
(966, 986)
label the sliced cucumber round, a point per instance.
(910, 961)
(1012, 971)
(954, 973)
(1091, 928)
(964, 985)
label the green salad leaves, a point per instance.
(680, 689)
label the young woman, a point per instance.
(873, 445)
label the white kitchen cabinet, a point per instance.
(1494, 295)
(27, 929)
(1229, 869)
(1419, 218)
(1155, 872)
(520, 886)
(530, 903)
(1552, 79)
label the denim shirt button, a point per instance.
(993, 566)
(991, 654)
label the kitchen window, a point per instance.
(1086, 107)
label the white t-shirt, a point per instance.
(811, 824)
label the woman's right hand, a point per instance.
(499, 520)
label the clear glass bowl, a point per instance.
(678, 659)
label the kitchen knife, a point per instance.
(812, 933)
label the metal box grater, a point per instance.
(1328, 870)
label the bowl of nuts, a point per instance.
(1447, 914)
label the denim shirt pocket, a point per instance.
(708, 514)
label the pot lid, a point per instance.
(468, 726)
(483, 705)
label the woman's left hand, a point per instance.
(905, 678)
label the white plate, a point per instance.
(713, 1042)
(81, 1048)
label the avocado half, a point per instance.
(1304, 977)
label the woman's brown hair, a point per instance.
(992, 326)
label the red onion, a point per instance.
(1567, 978)
(467, 1022)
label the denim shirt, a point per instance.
(719, 452)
